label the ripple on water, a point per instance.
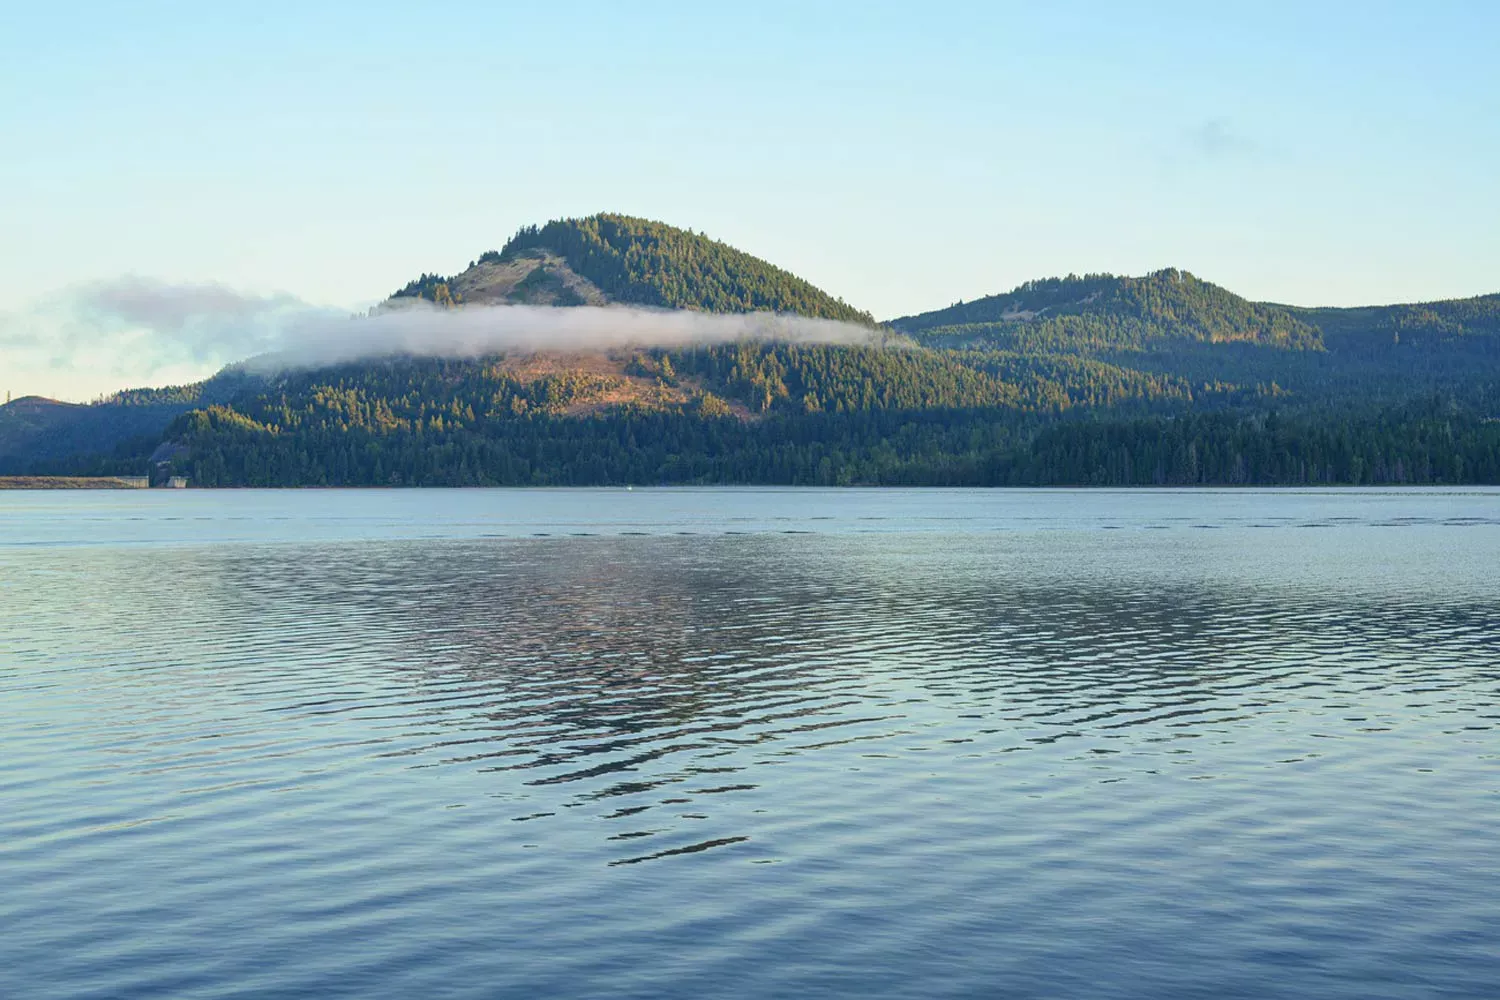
(1252, 761)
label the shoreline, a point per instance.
(65, 483)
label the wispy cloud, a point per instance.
(1217, 138)
(136, 331)
(424, 330)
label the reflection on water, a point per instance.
(1238, 762)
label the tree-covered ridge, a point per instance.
(757, 378)
(654, 264)
(33, 435)
(792, 378)
(347, 436)
(365, 423)
(1464, 325)
(165, 395)
(414, 395)
(779, 413)
(1104, 310)
(37, 434)
(1429, 441)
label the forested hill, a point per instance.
(38, 433)
(809, 414)
(1105, 311)
(1174, 312)
(1161, 379)
(1462, 326)
(618, 258)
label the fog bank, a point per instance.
(95, 338)
(422, 330)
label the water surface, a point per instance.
(695, 743)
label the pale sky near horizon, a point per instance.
(902, 156)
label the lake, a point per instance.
(750, 742)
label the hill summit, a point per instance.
(609, 258)
(1106, 310)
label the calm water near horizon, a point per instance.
(750, 742)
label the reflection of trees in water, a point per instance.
(596, 661)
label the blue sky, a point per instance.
(901, 155)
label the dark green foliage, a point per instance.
(819, 378)
(48, 439)
(1460, 327)
(977, 447)
(1435, 443)
(166, 395)
(825, 415)
(650, 263)
(1105, 311)
(1174, 326)
(42, 436)
(932, 447)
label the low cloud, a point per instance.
(201, 320)
(137, 331)
(423, 330)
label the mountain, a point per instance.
(599, 260)
(1172, 323)
(620, 259)
(1101, 379)
(40, 435)
(1105, 311)
(27, 423)
(1455, 326)
(35, 431)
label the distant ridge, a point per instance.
(36, 431)
(34, 404)
(1106, 310)
(1445, 324)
